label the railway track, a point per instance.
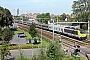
(69, 42)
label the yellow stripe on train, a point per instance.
(81, 35)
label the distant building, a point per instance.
(16, 12)
(30, 15)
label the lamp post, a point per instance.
(88, 29)
(53, 30)
(41, 33)
(41, 26)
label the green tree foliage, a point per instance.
(42, 56)
(44, 17)
(54, 51)
(25, 18)
(58, 19)
(5, 50)
(7, 34)
(67, 57)
(32, 30)
(17, 17)
(5, 17)
(81, 8)
(35, 57)
(63, 16)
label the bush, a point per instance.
(27, 46)
(84, 26)
(13, 47)
(67, 57)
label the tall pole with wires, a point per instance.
(88, 29)
(53, 30)
(41, 32)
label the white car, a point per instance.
(21, 34)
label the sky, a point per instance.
(56, 7)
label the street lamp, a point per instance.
(41, 33)
(88, 29)
(53, 30)
(41, 26)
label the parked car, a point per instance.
(21, 34)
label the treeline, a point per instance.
(43, 17)
(81, 9)
(5, 17)
(5, 20)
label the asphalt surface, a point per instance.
(27, 53)
(18, 40)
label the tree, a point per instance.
(54, 51)
(5, 50)
(81, 8)
(5, 35)
(42, 55)
(58, 19)
(63, 16)
(8, 17)
(44, 17)
(5, 17)
(32, 30)
(8, 34)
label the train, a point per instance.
(69, 31)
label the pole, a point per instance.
(41, 34)
(53, 30)
(32, 49)
(57, 19)
(88, 29)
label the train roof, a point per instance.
(58, 26)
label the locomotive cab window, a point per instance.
(82, 31)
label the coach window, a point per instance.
(59, 29)
(82, 31)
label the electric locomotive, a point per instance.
(76, 33)
(70, 31)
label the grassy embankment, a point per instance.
(28, 46)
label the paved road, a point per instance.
(18, 40)
(26, 53)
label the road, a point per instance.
(17, 40)
(27, 53)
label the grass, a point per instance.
(21, 30)
(44, 42)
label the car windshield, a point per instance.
(21, 33)
(82, 31)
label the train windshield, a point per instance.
(82, 31)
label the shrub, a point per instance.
(27, 46)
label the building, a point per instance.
(30, 15)
(16, 12)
